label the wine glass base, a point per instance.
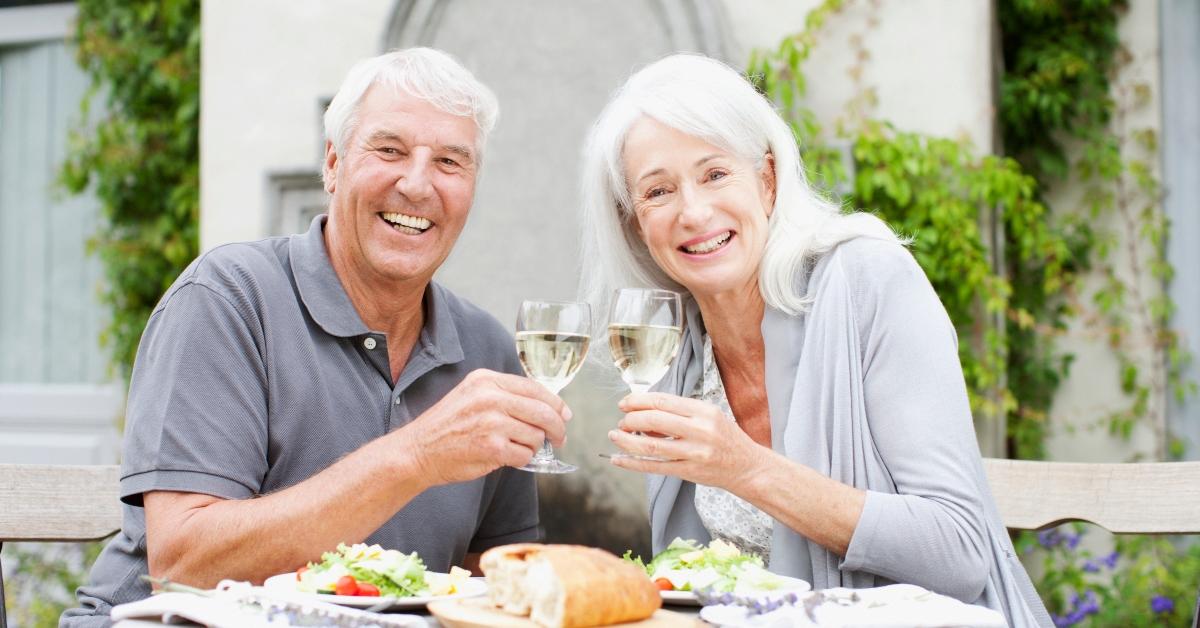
(548, 466)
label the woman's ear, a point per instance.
(768, 181)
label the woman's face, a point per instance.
(701, 211)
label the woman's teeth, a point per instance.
(411, 225)
(709, 245)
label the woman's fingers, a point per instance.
(658, 422)
(673, 404)
(654, 447)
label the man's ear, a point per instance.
(768, 180)
(329, 167)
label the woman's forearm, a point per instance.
(823, 510)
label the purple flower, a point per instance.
(1162, 604)
(1090, 566)
(1061, 621)
(1073, 540)
(1049, 538)
(1090, 605)
(1111, 560)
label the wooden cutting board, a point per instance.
(478, 612)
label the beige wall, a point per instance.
(930, 60)
(1093, 389)
(266, 66)
(268, 63)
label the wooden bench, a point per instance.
(65, 503)
(81, 503)
(1129, 498)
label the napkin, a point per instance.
(251, 607)
(893, 606)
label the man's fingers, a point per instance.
(525, 434)
(519, 455)
(533, 412)
(526, 387)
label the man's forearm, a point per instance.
(199, 540)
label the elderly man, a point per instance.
(298, 392)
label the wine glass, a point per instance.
(644, 331)
(552, 340)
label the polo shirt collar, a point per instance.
(330, 306)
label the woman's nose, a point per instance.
(696, 210)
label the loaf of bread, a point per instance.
(567, 586)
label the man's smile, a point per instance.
(404, 223)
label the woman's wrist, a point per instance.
(755, 480)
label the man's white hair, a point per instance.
(711, 101)
(425, 73)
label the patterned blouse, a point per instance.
(725, 515)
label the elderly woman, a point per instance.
(817, 406)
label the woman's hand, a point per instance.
(709, 448)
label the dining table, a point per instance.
(892, 605)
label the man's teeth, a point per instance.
(709, 245)
(404, 220)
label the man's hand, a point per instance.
(488, 421)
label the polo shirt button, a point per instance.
(397, 401)
(369, 343)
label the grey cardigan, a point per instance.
(867, 388)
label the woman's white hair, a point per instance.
(711, 101)
(425, 73)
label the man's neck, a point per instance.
(395, 308)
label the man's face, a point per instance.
(401, 188)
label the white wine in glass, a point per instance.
(644, 331)
(551, 358)
(643, 353)
(552, 341)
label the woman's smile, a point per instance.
(708, 246)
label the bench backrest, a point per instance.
(1127, 498)
(58, 502)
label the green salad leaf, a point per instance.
(395, 573)
(721, 567)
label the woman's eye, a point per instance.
(655, 192)
(716, 174)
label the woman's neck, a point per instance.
(733, 321)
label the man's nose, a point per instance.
(415, 181)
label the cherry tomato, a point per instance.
(367, 589)
(346, 585)
(300, 572)
(664, 585)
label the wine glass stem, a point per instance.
(545, 454)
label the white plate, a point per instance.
(286, 583)
(687, 598)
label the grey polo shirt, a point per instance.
(255, 372)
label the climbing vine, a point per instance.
(1068, 111)
(142, 158)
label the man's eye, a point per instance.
(388, 150)
(713, 175)
(446, 161)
